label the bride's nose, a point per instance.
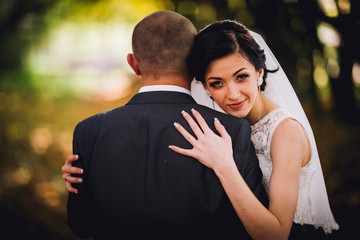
(233, 93)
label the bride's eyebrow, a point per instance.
(238, 71)
(219, 78)
(214, 78)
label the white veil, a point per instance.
(279, 90)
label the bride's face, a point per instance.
(232, 82)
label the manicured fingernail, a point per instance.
(80, 180)
(193, 110)
(170, 146)
(217, 120)
(76, 156)
(76, 191)
(81, 171)
(176, 124)
(183, 113)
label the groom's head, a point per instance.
(161, 44)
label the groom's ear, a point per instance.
(133, 63)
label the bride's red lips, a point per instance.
(237, 105)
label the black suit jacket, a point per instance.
(135, 186)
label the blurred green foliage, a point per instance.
(62, 61)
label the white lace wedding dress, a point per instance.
(261, 136)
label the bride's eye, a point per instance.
(242, 77)
(215, 84)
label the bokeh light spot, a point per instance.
(40, 140)
(328, 35)
(356, 74)
(206, 13)
(48, 192)
(344, 6)
(188, 8)
(321, 77)
(329, 8)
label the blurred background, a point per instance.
(62, 61)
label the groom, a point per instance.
(134, 185)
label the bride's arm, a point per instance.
(287, 151)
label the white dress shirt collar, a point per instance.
(172, 88)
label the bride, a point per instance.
(233, 69)
(233, 76)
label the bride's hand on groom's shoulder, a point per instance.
(67, 169)
(213, 150)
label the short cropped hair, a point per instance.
(162, 42)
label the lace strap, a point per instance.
(275, 118)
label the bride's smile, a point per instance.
(236, 106)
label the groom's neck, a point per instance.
(176, 80)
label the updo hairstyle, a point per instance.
(221, 39)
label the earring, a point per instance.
(209, 94)
(260, 81)
(212, 99)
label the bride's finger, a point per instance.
(186, 152)
(71, 159)
(204, 126)
(71, 179)
(185, 133)
(69, 169)
(193, 125)
(70, 188)
(221, 129)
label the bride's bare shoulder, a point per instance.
(290, 136)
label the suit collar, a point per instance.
(161, 97)
(173, 88)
